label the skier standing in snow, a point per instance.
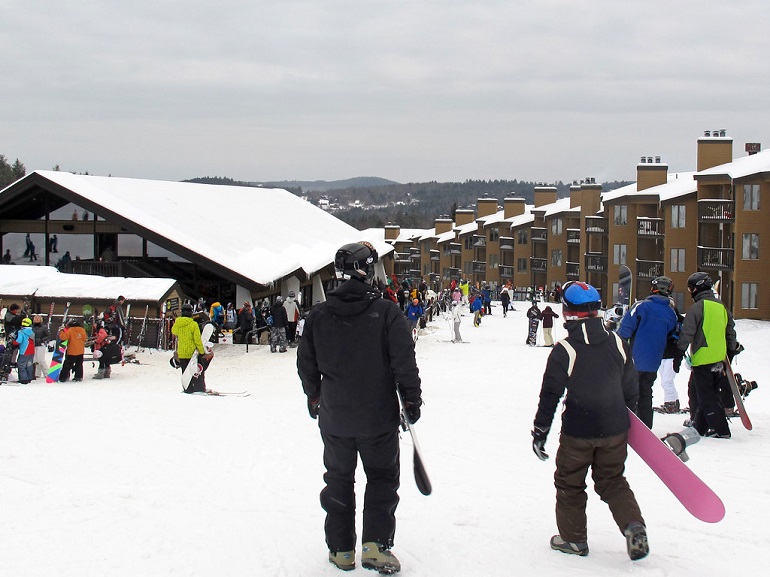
(355, 354)
(595, 367)
(278, 328)
(42, 336)
(505, 300)
(292, 316)
(533, 314)
(413, 313)
(457, 316)
(477, 307)
(649, 324)
(547, 317)
(709, 330)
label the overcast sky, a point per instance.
(410, 90)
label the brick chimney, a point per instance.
(464, 216)
(443, 224)
(513, 206)
(650, 172)
(392, 231)
(544, 195)
(486, 206)
(714, 148)
(575, 195)
(590, 197)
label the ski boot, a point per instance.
(99, 374)
(345, 560)
(636, 540)
(379, 558)
(671, 407)
(559, 544)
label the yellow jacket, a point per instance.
(188, 335)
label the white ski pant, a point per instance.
(41, 366)
(666, 376)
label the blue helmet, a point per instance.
(580, 299)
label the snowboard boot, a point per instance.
(99, 374)
(671, 406)
(636, 540)
(714, 435)
(379, 558)
(107, 372)
(559, 544)
(345, 560)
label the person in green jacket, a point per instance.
(188, 340)
(709, 331)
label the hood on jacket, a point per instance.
(352, 298)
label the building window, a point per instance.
(521, 265)
(426, 268)
(751, 246)
(749, 292)
(677, 260)
(750, 197)
(621, 214)
(556, 257)
(677, 216)
(556, 226)
(468, 267)
(618, 254)
(522, 236)
(468, 242)
(494, 260)
(494, 234)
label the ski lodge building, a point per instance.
(712, 219)
(223, 243)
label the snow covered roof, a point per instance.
(48, 282)
(740, 167)
(472, 226)
(281, 234)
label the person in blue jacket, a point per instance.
(477, 308)
(648, 325)
(413, 313)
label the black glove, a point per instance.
(538, 442)
(678, 362)
(737, 350)
(313, 406)
(413, 410)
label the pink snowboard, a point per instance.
(693, 493)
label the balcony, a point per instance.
(716, 211)
(506, 271)
(649, 269)
(716, 258)
(435, 254)
(414, 252)
(573, 270)
(479, 267)
(596, 263)
(506, 243)
(573, 236)
(649, 227)
(401, 257)
(597, 225)
(455, 248)
(538, 264)
(479, 240)
(539, 234)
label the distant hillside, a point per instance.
(324, 185)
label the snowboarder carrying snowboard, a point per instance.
(534, 315)
(355, 353)
(188, 334)
(595, 367)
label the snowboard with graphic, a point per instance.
(420, 474)
(686, 486)
(737, 395)
(58, 352)
(194, 368)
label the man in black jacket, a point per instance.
(596, 369)
(355, 355)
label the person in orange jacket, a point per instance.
(76, 337)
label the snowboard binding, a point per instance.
(678, 442)
(744, 386)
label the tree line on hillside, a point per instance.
(10, 173)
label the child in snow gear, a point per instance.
(709, 331)
(595, 367)
(25, 342)
(355, 354)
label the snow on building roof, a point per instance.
(741, 167)
(293, 235)
(48, 282)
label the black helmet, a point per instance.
(356, 260)
(662, 285)
(699, 281)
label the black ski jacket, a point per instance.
(597, 371)
(356, 348)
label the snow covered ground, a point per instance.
(130, 477)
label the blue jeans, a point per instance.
(26, 372)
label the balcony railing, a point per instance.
(649, 227)
(597, 225)
(538, 264)
(716, 211)
(596, 263)
(573, 236)
(435, 254)
(539, 234)
(506, 271)
(506, 243)
(716, 258)
(573, 270)
(479, 240)
(455, 248)
(649, 269)
(479, 267)
(401, 257)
